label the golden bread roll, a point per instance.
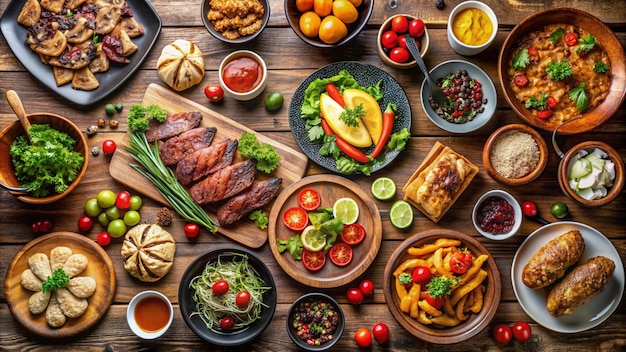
(580, 285)
(148, 251)
(552, 260)
(181, 65)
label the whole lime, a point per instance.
(559, 210)
(274, 101)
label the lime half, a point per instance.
(383, 188)
(401, 214)
(312, 239)
(347, 210)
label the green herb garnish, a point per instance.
(139, 116)
(260, 218)
(540, 103)
(586, 43)
(521, 60)
(557, 34)
(600, 67)
(559, 71)
(350, 116)
(579, 95)
(441, 286)
(58, 279)
(405, 279)
(293, 245)
(266, 156)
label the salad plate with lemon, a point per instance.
(350, 118)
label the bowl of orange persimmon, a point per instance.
(442, 286)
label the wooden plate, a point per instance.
(292, 164)
(99, 267)
(331, 188)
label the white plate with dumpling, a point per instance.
(98, 266)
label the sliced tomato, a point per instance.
(435, 302)
(313, 261)
(353, 234)
(309, 199)
(520, 80)
(295, 218)
(460, 262)
(340, 254)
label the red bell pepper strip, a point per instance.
(389, 117)
(344, 146)
(334, 93)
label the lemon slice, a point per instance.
(383, 188)
(347, 210)
(312, 239)
(401, 214)
(358, 135)
(373, 118)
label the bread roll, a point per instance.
(181, 65)
(148, 251)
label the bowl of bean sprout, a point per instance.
(227, 296)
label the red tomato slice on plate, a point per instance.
(309, 199)
(341, 254)
(295, 218)
(353, 234)
(313, 261)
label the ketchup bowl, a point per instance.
(497, 215)
(243, 75)
(149, 314)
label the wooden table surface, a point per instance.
(290, 61)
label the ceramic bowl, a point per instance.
(526, 178)
(470, 327)
(133, 312)
(488, 89)
(570, 157)
(292, 331)
(293, 17)
(259, 76)
(206, 6)
(383, 53)
(590, 119)
(57, 122)
(459, 46)
(516, 212)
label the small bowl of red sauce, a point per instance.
(243, 75)
(497, 215)
(149, 314)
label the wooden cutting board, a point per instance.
(292, 167)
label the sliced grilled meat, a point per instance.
(177, 147)
(206, 161)
(173, 125)
(224, 183)
(257, 196)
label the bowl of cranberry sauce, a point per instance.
(497, 215)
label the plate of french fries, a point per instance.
(457, 300)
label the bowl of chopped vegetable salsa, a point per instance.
(227, 296)
(315, 322)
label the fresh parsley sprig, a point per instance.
(350, 116)
(579, 95)
(586, 44)
(558, 71)
(600, 67)
(540, 103)
(58, 279)
(521, 59)
(557, 34)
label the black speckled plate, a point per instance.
(366, 75)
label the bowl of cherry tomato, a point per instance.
(328, 23)
(391, 45)
(315, 322)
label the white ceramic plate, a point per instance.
(591, 314)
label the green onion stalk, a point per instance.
(165, 181)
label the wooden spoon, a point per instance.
(18, 108)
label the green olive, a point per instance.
(103, 219)
(274, 101)
(132, 218)
(559, 210)
(116, 228)
(135, 202)
(113, 212)
(92, 209)
(106, 198)
(109, 109)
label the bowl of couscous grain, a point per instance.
(515, 154)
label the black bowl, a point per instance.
(209, 26)
(235, 336)
(291, 331)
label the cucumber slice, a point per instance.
(581, 168)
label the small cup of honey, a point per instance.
(149, 314)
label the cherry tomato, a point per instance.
(41, 226)
(381, 333)
(355, 296)
(529, 208)
(389, 39)
(399, 54)
(421, 276)
(521, 331)
(571, 39)
(502, 333)
(122, 200)
(552, 103)
(243, 299)
(435, 302)
(313, 260)
(227, 323)
(104, 239)
(309, 199)
(400, 24)
(416, 28)
(367, 287)
(220, 287)
(34, 228)
(353, 234)
(402, 42)
(214, 92)
(544, 114)
(520, 80)
(460, 262)
(363, 337)
(108, 147)
(295, 219)
(340, 254)
(85, 223)
(533, 53)
(191, 230)
(106, 198)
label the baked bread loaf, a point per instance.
(439, 180)
(148, 252)
(181, 65)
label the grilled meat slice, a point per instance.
(257, 196)
(177, 147)
(224, 183)
(173, 125)
(206, 161)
